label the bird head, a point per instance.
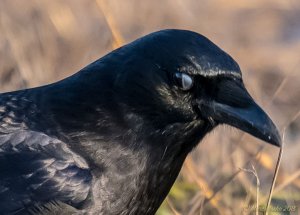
(178, 77)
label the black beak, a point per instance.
(234, 106)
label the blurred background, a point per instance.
(229, 172)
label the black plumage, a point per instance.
(112, 138)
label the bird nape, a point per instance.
(112, 138)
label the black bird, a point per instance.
(112, 138)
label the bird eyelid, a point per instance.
(184, 81)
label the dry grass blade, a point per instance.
(117, 36)
(171, 206)
(63, 19)
(254, 172)
(17, 50)
(221, 187)
(193, 205)
(275, 174)
(295, 116)
(288, 181)
(197, 207)
(266, 161)
(208, 192)
(216, 191)
(284, 82)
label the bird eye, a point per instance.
(183, 81)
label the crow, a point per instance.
(112, 138)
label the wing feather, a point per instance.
(36, 169)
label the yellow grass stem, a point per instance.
(275, 174)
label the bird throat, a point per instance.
(139, 171)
